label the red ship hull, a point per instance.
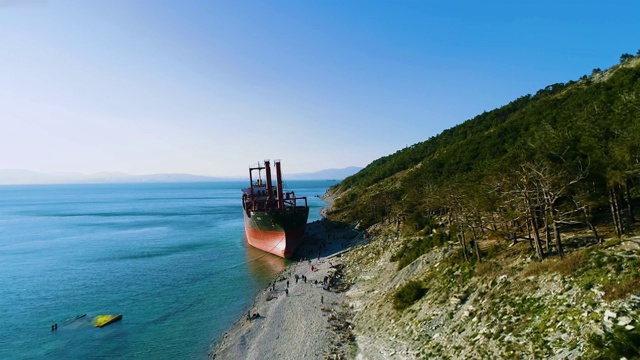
(274, 220)
(277, 241)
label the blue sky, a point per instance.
(211, 87)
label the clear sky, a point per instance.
(211, 87)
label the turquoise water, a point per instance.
(170, 257)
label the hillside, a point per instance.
(513, 234)
(579, 132)
(584, 306)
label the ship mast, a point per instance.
(279, 185)
(267, 167)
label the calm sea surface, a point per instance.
(171, 258)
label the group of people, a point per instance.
(54, 327)
(301, 277)
(326, 281)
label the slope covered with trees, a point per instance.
(511, 235)
(568, 155)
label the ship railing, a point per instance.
(260, 203)
(294, 202)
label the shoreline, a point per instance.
(294, 318)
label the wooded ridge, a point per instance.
(544, 192)
(568, 155)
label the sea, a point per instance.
(171, 258)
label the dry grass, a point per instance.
(565, 266)
(620, 290)
(536, 268)
(570, 263)
(487, 268)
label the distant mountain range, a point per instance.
(24, 177)
(328, 174)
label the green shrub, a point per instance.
(408, 294)
(414, 249)
(587, 284)
(417, 221)
(618, 344)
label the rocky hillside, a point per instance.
(519, 231)
(512, 235)
(512, 305)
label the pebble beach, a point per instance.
(303, 313)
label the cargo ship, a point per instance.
(274, 219)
